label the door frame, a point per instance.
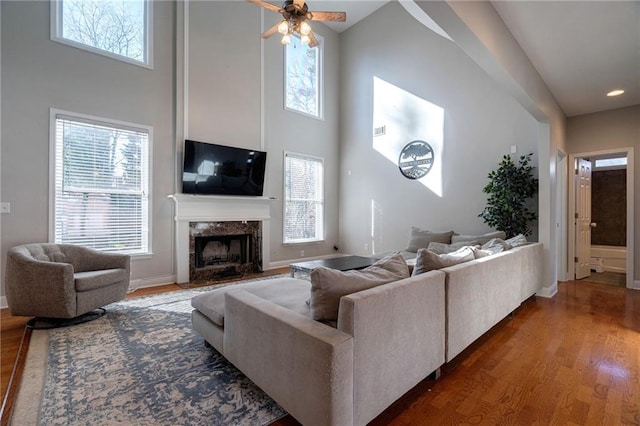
(572, 210)
(562, 197)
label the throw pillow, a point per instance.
(517, 241)
(329, 285)
(427, 260)
(442, 248)
(420, 238)
(480, 239)
(496, 245)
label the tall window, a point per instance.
(116, 28)
(303, 77)
(101, 180)
(303, 198)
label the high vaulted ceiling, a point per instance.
(581, 49)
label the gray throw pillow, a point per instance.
(427, 260)
(329, 285)
(479, 239)
(420, 238)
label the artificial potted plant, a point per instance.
(510, 187)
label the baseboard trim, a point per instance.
(548, 292)
(3, 302)
(151, 282)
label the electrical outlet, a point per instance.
(5, 207)
(301, 253)
(366, 247)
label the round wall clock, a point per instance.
(416, 159)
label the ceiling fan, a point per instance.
(295, 14)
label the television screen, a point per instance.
(222, 170)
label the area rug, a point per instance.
(140, 364)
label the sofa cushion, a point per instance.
(420, 238)
(289, 293)
(91, 280)
(442, 248)
(479, 239)
(329, 285)
(427, 260)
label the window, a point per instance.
(303, 77)
(616, 162)
(117, 28)
(303, 198)
(101, 183)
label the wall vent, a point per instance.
(379, 131)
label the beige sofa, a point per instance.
(387, 339)
(482, 292)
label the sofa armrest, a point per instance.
(304, 365)
(399, 339)
(39, 288)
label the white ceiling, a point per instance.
(582, 49)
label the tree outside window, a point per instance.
(118, 28)
(303, 77)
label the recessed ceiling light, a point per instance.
(616, 92)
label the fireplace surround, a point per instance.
(193, 211)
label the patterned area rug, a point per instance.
(142, 364)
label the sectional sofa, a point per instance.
(384, 340)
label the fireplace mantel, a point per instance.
(213, 208)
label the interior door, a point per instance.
(583, 219)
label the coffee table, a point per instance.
(341, 263)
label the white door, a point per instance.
(583, 219)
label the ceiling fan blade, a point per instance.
(299, 3)
(313, 41)
(271, 31)
(265, 5)
(329, 16)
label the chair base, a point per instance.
(41, 323)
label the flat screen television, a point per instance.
(211, 169)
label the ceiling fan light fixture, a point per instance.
(616, 92)
(305, 39)
(283, 27)
(305, 28)
(286, 39)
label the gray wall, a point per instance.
(236, 99)
(619, 128)
(481, 122)
(39, 74)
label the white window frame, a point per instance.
(318, 238)
(54, 114)
(56, 35)
(320, 65)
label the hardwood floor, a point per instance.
(570, 360)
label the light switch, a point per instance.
(514, 149)
(5, 207)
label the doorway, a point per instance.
(612, 256)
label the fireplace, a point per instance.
(194, 214)
(224, 249)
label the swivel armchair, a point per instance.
(63, 284)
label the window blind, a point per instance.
(101, 185)
(304, 198)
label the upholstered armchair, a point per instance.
(63, 281)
